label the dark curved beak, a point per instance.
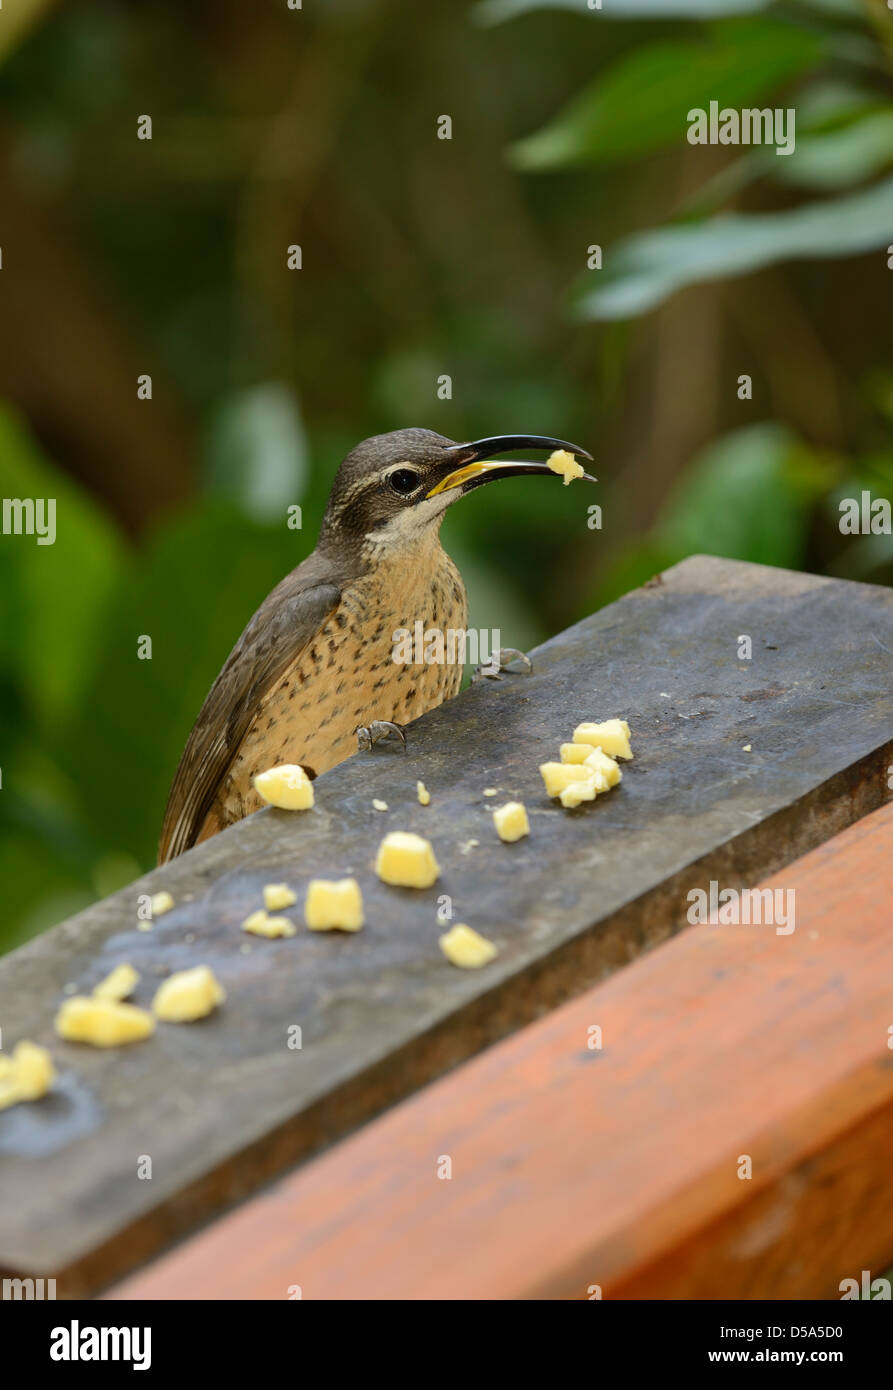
(469, 465)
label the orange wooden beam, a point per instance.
(574, 1167)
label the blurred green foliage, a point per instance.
(633, 109)
(420, 258)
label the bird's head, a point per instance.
(393, 487)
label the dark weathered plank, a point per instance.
(223, 1105)
(620, 1167)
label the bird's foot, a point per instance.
(504, 659)
(368, 736)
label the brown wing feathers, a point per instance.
(286, 622)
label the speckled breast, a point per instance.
(347, 677)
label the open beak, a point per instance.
(469, 465)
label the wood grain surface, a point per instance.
(619, 1167)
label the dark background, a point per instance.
(421, 257)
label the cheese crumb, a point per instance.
(379, 805)
(600, 762)
(119, 985)
(612, 737)
(261, 924)
(188, 995)
(161, 903)
(406, 860)
(277, 896)
(9, 1091)
(575, 752)
(102, 1022)
(564, 463)
(332, 904)
(286, 786)
(491, 791)
(423, 794)
(33, 1070)
(557, 776)
(27, 1075)
(577, 792)
(467, 948)
(511, 822)
(746, 747)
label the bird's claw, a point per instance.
(368, 736)
(504, 658)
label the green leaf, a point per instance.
(830, 102)
(839, 158)
(257, 453)
(497, 11)
(746, 497)
(52, 596)
(39, 889)
(823, 108)
(641, 103)
(192, 591)
(647, 268)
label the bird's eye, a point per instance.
(404, 480)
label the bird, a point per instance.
(313, 674)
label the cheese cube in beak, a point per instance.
(565, 465)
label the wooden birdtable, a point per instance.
(585, 1116)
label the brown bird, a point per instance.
(315, 666)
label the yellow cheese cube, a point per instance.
(575, 752)
(119, 985)
(27, 1075)
(333, 903)
(287, 787)
(161, 903)
(102, 1022)
(511, 822)
(564, 463)
(466, 948)
(557, 776)
(583, 791)
(612, 737)
(33, 1069)
(600, 762)
(406, 860)
(9, 1090)
(277, 896)
(261, 924)
(188, 995)
(423, 794)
